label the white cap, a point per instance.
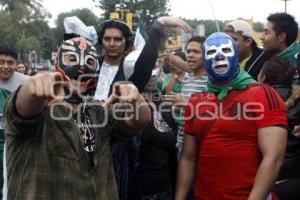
(241, 27)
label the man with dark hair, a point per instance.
(193, 82)
(9, 79)
(116, 38)
(279, 39)
(285, 28)
(9, 82)
(8, 50)
(242, 33)
(199, 39)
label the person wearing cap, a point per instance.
(279, 39)
(242, 33)
(235, 133)
(116, 39)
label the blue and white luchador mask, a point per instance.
(220, 59)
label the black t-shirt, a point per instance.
(157, 165)
(87, 133)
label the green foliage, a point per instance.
(258, 26)
(28, 43)
(22, 23)
(108, 6)
(211, 27)
(148, 10)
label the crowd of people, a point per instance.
(219, 120)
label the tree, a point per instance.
(24, 11)
(148, 10)
(23, 22)
(107, 6)
(210, 25)
(85, 15)
(258, 26)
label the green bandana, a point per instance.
(242, 80)
(290, 54)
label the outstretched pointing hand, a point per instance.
(123, 93)
(37, 92)
(46, 85)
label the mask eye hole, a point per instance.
(91, 62)
(70, 59)
(226, 50)
(210, 52)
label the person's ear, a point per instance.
(261, 77)
(282, 37)
(249, 42)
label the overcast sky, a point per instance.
(199, 9)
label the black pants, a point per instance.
(288, 190)
(158, 196)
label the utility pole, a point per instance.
(285, 4)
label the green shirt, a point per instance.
(177, 86)
(46, 157)
(3, 96)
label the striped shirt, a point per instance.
(189, 86)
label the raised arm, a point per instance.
(146, 61)
(178, 62)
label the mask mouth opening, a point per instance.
(221, 67)
(80, 86)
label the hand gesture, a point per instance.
(174, 59)
(38, 91)
(123, 93)
(175, 22)
(296, 131)
(174, 99)
(46, 85)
